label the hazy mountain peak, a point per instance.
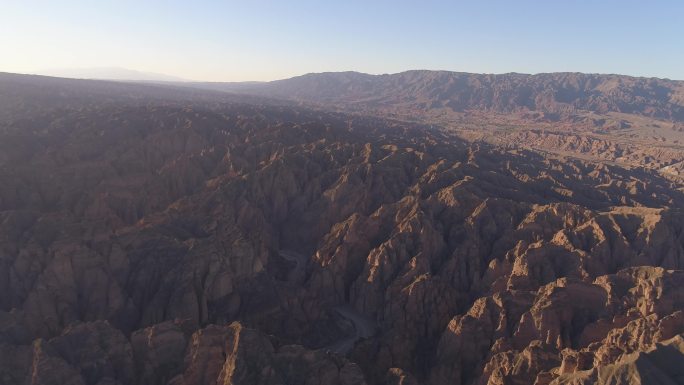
(109, 73)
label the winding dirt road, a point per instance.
(297, 271)
(364, 327)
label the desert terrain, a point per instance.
(341, 228)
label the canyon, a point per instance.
(417, 228)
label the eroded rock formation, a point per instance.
(142, 240)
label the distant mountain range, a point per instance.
(109, 73)
(555, 94)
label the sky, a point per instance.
(265, 40)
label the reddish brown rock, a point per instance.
(137, 225)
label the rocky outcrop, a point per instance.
(237, 355)
(565, 327)
(661, 364)
(96, 353)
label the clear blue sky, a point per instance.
(264, 40)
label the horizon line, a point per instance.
(184, 80)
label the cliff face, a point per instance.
(200, 240)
